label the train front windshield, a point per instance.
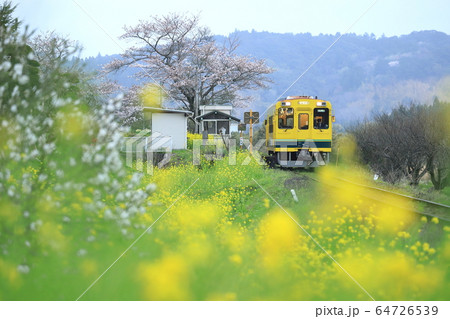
(321, 118)
(286, 118)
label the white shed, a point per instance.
(170, 122)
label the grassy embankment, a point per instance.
(225, 238)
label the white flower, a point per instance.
(48, 148)
(6, 65)
(66, 219)
(14, 156)
(108, 214)
(48, 121)
(102, 178)
(15, 91)
(82, 252)
(31, 138)
(23, 79)
(18, 68)
(102, 132)
(58, 102)
(34, 153)
(98, 158)
(23, 269)
(35, 225)
(135, 178)
(150, 188)
(26, 187)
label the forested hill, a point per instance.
(360, 74)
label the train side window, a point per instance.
(285, 118)
(271, 124)
(321, 118)
(303, 121)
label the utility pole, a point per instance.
(160, 95)
(196, 113)
(241, 140)
(251, 131)
(198, 129)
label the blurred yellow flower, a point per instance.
(236, 259)
(228, 296)
(152, 95)
(89, 267)
(165, 279)
(9, 272)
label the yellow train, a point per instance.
(299, 131)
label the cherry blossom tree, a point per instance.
(183, 57)
(54, 51)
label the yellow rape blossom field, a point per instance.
(217, 235)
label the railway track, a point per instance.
(420, 206)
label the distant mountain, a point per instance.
(124, 78)
(359, 74)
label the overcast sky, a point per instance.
(94, 22)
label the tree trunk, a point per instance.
(197, 126)
(196, 112)
(437, 178)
